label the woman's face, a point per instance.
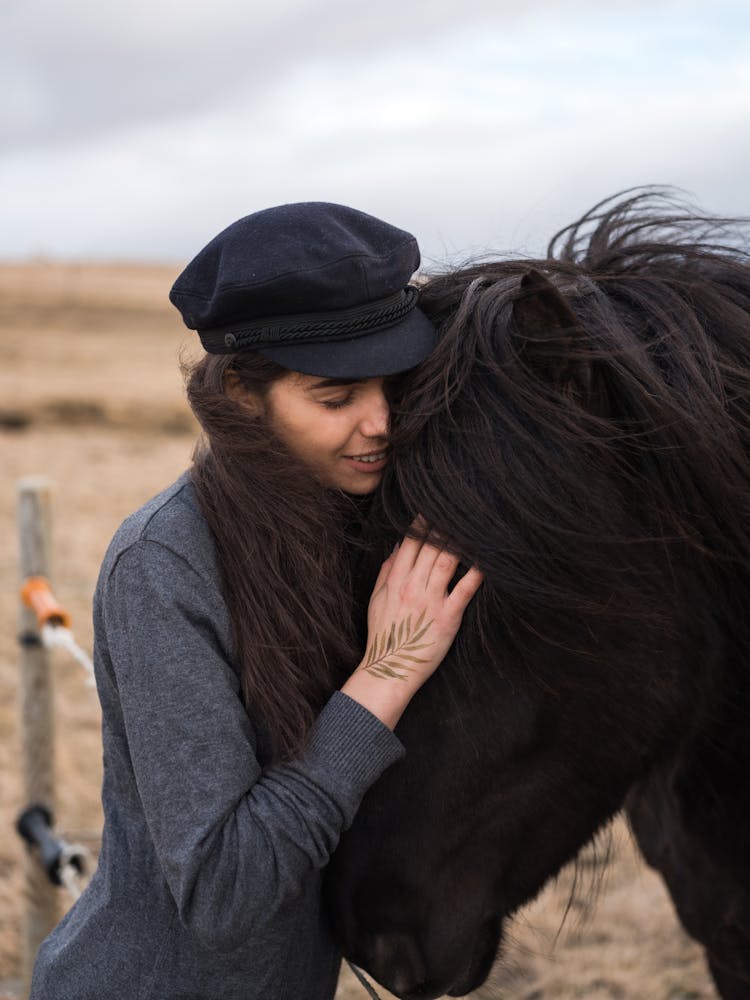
(339, 428)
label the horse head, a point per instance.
(559, 439)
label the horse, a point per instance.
(582, 434)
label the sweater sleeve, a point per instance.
(235, 842)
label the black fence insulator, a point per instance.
(29, 639)
(35, 826)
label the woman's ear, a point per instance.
(237, 392)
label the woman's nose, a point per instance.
(376, 416)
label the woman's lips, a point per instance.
(373, 461)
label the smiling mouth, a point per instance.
(373, 456)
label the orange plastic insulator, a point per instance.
(36, 594)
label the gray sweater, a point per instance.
(208, 885)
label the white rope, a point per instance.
(69, 879)
(62, 638)
(73, 867)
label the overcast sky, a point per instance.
(139, 130)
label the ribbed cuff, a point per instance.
(351, 744)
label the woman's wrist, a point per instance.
(385, 698)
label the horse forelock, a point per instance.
(586, 508)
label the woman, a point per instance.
(225, 621)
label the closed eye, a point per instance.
(337, 404)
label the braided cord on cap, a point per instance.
(310, 328)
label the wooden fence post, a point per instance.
(42, 907)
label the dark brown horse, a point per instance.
(582, 433)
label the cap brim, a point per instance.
(385, 352)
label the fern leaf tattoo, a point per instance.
(391, 652)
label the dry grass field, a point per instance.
(90, 395)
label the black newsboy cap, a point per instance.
(317, 287)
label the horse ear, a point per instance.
(548, 332)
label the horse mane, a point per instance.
(595, 470)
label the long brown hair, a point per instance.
(281, 546)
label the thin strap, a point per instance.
(361, 977)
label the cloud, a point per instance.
(80, 67)
(473, 128)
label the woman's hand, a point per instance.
(411, 622)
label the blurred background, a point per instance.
(130, 134)
(136, 131)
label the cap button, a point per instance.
(230, 340)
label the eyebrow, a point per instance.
(330, 383)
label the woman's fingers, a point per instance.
(442, 572)
(410, 558)
(465, 589)
(385, 570)
(406, 556)
(421, 563)
(416, 565)
(424, 565)
(414, 558)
